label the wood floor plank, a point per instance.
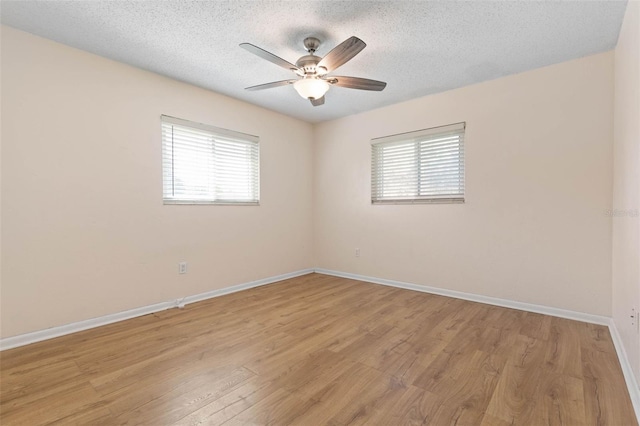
(563, 401)
(564, 348)
(347, 397)
(37, 378)
(536, 326)
(64, 404)
(231, 404)
(518, 390)
(415, 407)
(276, 408)
(181, 400)
(602, 377)
(322, 350)
(416, 361)
(312, 374)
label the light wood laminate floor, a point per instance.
(318, 350)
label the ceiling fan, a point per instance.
(312, 70)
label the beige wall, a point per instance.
(84, 230)
(85, 234)
(0, 181)
(539, 176)
(626, 183)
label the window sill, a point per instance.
(210, 203)
(421, 201)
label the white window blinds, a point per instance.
(203, 164)
(422, 166)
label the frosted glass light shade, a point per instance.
(311, 88)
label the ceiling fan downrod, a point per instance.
(309, 63)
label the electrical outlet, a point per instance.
(182, 267)
(357, 252)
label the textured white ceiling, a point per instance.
(417, 47)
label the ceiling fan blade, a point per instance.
(269, 56)
(357, 83)
(317, 102)
(342, 53)
(270, 85)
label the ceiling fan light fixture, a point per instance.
(315, 72)
(311, 88)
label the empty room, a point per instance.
(320, 212)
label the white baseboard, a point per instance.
(50, 333)
(233, 289)
(629, 376)
(61, 330)
(632, 384)
(522, 306)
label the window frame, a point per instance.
(419, 140)
(221, 134)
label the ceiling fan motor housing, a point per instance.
(309, 64)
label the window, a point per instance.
(203, 164)
(426, 166)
